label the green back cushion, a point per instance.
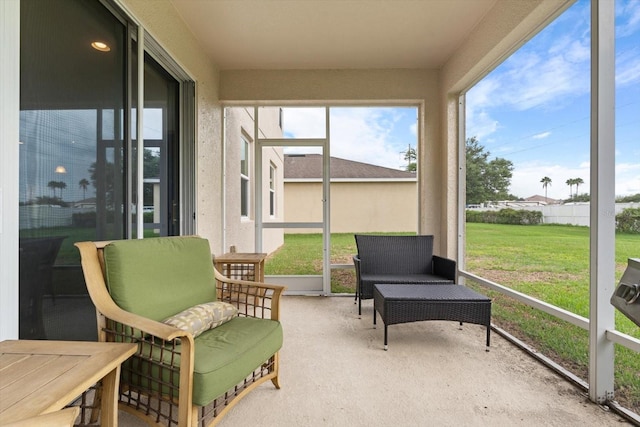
(159, 277)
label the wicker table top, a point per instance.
(391, 292)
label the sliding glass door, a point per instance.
(79, 171)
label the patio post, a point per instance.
(602, 230)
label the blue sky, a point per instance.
(375, 135)
(533, 110)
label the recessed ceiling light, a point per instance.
(101, 46)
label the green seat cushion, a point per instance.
(226, 355)
(159, 277)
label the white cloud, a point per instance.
(304, 122)
(363, 134)
(480, 124)
(526, 179)
(627, 17)
(546, 73)
(627, 178)
(544, 83)
(541, 135)
(628, 67)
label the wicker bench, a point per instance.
(413, 303)
(403, 259)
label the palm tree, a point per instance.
(578, 181)
(61, 185)
(53, 185)
(84, 183)
(546, 181)
(570, 183)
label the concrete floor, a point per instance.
(334, 372)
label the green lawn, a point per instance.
(549, 262)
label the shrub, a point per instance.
(84, 219)
(628, 221)
(506, 216)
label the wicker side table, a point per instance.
(414, 303)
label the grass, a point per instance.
(549, 262)
(301, 254)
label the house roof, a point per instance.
(538, 198)
(309, 166)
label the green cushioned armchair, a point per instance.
(176, 379)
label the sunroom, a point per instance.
(214, 78)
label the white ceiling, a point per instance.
(331, 34)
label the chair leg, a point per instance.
(276, 367)
(276, 382)
(488, 336)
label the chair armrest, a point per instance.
(253, 299)
(444, 267)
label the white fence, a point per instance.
(573, 213)
(38, 216)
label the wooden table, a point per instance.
(241, 265)
(39, 377)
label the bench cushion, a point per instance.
(157, 278)
(226, 355)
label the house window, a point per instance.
(244, 177)
(272, 190)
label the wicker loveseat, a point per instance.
(140, 288)
(389, 259)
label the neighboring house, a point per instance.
(240, 180)
(529, 201)
(542, 200)
(364, 197)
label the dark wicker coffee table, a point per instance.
(415, 303)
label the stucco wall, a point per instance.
(355, 206)
(240, 231)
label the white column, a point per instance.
(602, 246)
(9, 160)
